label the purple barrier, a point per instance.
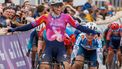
(23, 39)
(12, 51)
(4, 60)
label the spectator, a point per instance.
(1, 9)
(103, 12)
(68, 2)
(78, 10)
(26, 6)
(6, 15)
(70, 10)
(88, 16)
(7, 18)
(97, 16)
(39, 10)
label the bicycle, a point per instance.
(86, 60)
(115, 64)
(53, 64)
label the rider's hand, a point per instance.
(3, 31)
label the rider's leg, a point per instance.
(33, 55)
(109, 56)
(119, 56)
(44, 66)
(62, 56)
(69, 51)
(46, 57)
(78, 62)
(34, 49)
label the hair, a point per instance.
(8, 8)
(69, 0)
(40, 8)
(24, 3)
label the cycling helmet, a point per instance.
(53, 2)
(91, 25)
(114, 26)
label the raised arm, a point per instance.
(84, 29)
(30, 25)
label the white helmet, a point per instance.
(92, 25)
(51, 2)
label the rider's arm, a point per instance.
(30, 25)
(110, 43)
(78, 40)
(76, 47)
(80, 27)
(108, 36)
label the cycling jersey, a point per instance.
(83, 42)
(115, 41)
(79, 49)
(55, 27)
(33, 39)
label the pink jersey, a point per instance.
(55, 28)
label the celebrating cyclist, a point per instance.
(56, 22)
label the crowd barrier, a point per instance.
(13, 50)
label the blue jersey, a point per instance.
(115, 41)
(83, 42)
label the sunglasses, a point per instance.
(90, 34)
(115, 30)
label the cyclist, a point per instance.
(113, 37)
(32, 47)
(41, 41)
(87, 40)
(56, 23)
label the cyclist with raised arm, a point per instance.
(113, 37)
(56, 22)
(86, 46)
